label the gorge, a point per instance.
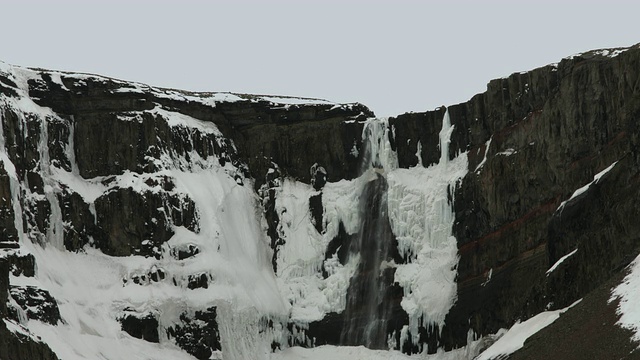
(141, 222)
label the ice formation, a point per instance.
(418, 205)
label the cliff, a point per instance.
(219, 223)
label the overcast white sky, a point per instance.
(393, 56)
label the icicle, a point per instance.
(377, 148)
(70, 149)
(55, 234)
(419, 154)
(445, 137)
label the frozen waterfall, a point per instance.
(404, 243)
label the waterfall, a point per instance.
(366, 312)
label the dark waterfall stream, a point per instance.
(367, 313)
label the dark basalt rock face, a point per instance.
(198, 334)
(413, 130)
(79, 222)
(38, 304)
(587, 331)
(21, 264)
(17, 346)
(8, 232)
(197, 281)
(4, 286)
(120, 234)
(140, 325)
(590, 223)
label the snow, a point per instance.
(486, 152)
(489, 276)
(68, 343)
(603, 52)
(233, 251)
(584, 189)
(628, 295)
(599, 175)
(514, 338)
(560, 261)
(22, 75)
(290, 100)
(339, 201)
(177, 119)
(507, 152)
(337, 353)
(17, 328)
(325, 352)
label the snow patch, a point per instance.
(628, 293)
(584, 189)
(178, 119)
(290, 100)
(514, 338)
(486, 152)
(560, 261)
(507, 152)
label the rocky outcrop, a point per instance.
(198, 334)
(37, 304)
(118, 233)
(20, 264)
(17, 343)
(140, 325)
(19, 346)
(4, 286)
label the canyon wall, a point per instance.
(242, 210)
